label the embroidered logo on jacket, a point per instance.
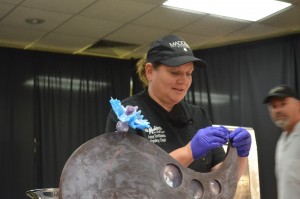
(156, 134)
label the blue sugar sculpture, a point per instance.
(128, 116)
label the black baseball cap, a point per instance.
(281, 91)
(172, 50)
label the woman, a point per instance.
(181, 129)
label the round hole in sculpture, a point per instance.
(172, 175)
(196, 189)
(215, 187)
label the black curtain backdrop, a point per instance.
(52, 103)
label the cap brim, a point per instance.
(177, 61)
(269, 97)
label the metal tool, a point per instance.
(124, 165)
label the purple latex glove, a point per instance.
(241, 139)
(207, 139)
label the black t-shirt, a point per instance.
(171, 130)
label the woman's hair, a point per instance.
(141, 72)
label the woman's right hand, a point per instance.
(207, 139)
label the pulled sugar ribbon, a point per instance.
(128, 116)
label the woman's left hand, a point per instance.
(241, 139)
